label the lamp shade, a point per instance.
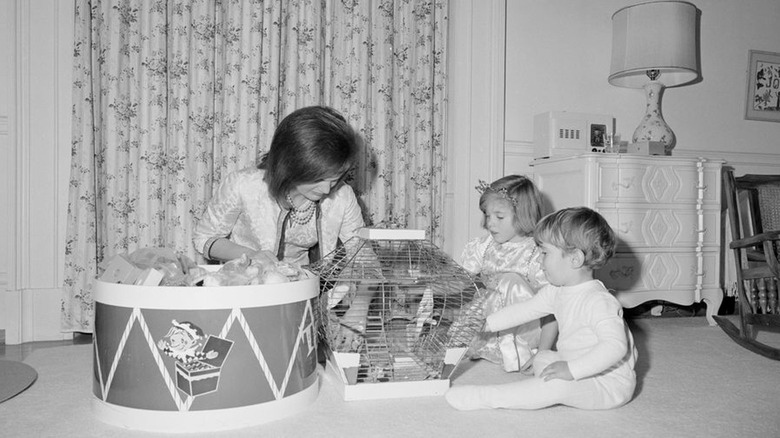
(659, 36)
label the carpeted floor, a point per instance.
(693, 382)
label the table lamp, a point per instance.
(654, 46)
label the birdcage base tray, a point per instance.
(384, 390)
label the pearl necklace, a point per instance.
(301, 216)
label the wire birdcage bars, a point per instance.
(395, 308)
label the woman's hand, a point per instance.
(263, 256)
(556, 370)
(223, 250)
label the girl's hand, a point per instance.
(349, 338)
(528, 367)
(352, 329)
(556, 370)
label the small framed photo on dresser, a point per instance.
(763, 87)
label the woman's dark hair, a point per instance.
(309, 145)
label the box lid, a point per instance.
(219, 345)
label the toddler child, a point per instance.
(593, 367)
(507, 261)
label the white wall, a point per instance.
(558, 55)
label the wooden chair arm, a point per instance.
(755, 240)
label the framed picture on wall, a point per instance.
(763, 87)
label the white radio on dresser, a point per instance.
(563, 133)
(666, 213)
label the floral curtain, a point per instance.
(170, 95)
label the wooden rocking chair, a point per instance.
(753, 203)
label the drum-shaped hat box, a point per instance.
(197, 359)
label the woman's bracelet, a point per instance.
(207, 247)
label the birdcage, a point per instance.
(397, 314)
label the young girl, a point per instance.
(594, 365)
(507, 261)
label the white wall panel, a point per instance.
(475, 125)
(37, 150)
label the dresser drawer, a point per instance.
(653, 227)
(637, 271)
(633, 182)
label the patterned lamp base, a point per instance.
(653, 127)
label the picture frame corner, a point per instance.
(751, 113)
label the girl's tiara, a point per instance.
(484, 187)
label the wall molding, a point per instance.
(518, 148)
(742, 162)
(21, 151)
(518, 154)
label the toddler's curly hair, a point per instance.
(578, 228)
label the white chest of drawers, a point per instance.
(665, 212)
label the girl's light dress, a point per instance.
(511, 273)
